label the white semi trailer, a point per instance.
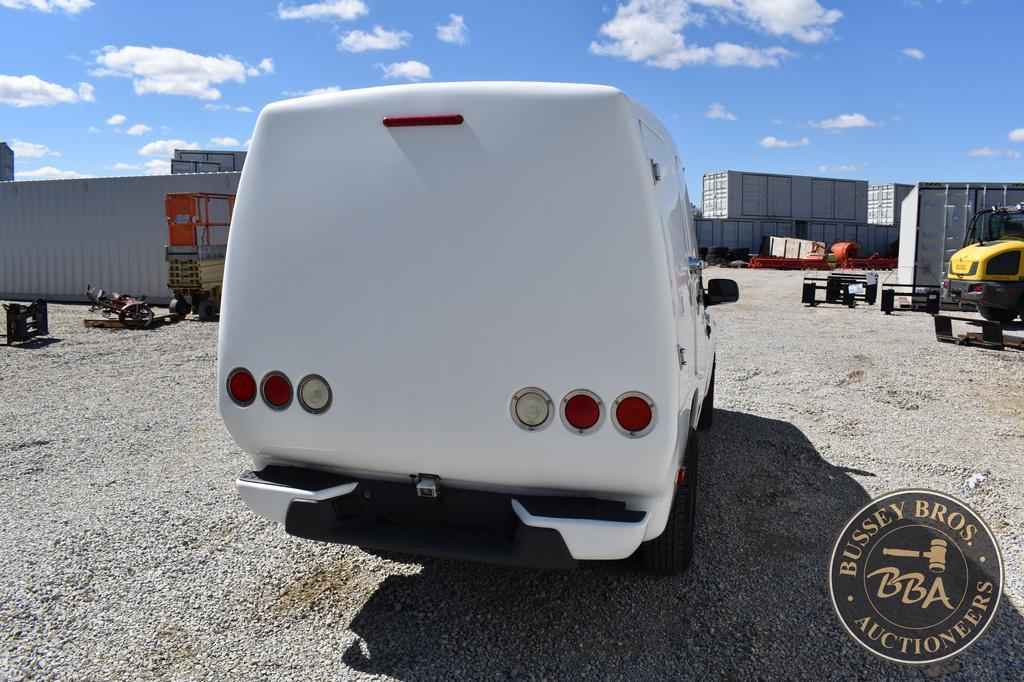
(468, 320)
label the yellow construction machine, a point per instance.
(989, 270)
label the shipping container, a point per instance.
(934, 221)
(885, 202)
(57, 236)
(736, 195)
(6, 162)
(206, 161)
(749, 233)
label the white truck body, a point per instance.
(428, 273)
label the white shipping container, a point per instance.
(934, 221)
(736, 195)
(57, 236)
(885, 202)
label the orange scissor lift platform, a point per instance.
(197, 234)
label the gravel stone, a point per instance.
(125, 552)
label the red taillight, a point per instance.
(975, 288)
(242, 387)
(581, 410)
(438, 120)
(633, 414)
(277, 390)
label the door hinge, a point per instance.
(682, 357)
(655, 171)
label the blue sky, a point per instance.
(887, 90)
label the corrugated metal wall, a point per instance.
(748, 233)
(57, 236)
(735, 195)
(885, 201)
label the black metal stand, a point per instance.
(923, 298)
(841, 289)
(25, 322)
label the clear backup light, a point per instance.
(633, 414)
(314, 394)
(531, 409)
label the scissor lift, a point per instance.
(197, 227)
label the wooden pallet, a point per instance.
(114, 323)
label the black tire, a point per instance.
(997, 314)
(205, 310)
(722, 251)
(179, 306)
(702, 251)
(671, 553)
(707, 406)
(739, 254)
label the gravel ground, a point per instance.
(125, 553)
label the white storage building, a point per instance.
(57, 236)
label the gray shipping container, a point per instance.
(6, 162)
(57, 236)
(934, 221)
(885, 202)
(748, 233)
(736, 195)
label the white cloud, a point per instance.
(32, 91)
(777, 122)
(379, 39)
(121, 165)
(158, 167)
(93, 129)
(412, 70)
(913, 53)
(650, 31)
(844, 121)
(454, 31)
(842, 168)
(138, 129)
(989, 152)
(31, 150)
(48, 173)
(116, 119)
(344, 10)
(226, 107)
(314, 91)
(1016, 135)
(771, 142)
(267, 65)
(165, 147)
(717, 110)
(48, 6)
(170, 71)
(804, 20)
(224, 142)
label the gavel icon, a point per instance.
(936, 556)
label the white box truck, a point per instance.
(468, 320)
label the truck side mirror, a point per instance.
(721, 291)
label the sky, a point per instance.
(883, 90)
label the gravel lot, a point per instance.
(125, 552)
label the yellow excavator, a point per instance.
(989, 270)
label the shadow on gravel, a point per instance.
(755, 603)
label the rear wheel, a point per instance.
(997, 314)
(179, 306)
(671, 553)
(707, 406)
(205, 310)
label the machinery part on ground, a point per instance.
(25, 322)
(132, 311)
(841, 288)
(922, 298)
(991, 335)
(989, 270)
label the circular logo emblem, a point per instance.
(916, 576)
